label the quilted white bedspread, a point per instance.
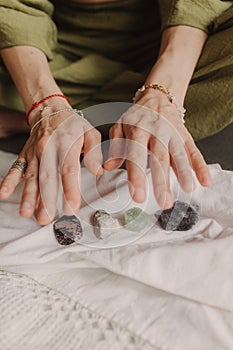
(155, 291)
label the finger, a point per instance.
(198, 163)
(136, 162)
(173, 165)
(181, 163)
(160, 165)
(70, 172)
(117, 148)
(93, 157)
(48, 179)
(42, 214)
(11, 180)
(31, 189)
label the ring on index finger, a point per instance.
(21, 165)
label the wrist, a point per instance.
(53, 103)
(177, 58)
(166, 73)
(47, 116)
(155, 88)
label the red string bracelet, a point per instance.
(36, 104)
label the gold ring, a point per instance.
(21, 165)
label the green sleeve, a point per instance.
(28, 22)
(195, 13)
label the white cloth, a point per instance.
(151, 291)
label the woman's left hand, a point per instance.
(153, 125)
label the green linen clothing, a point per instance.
(103, 52)
(195, 13)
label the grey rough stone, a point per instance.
(104, 224)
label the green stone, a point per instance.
(135, 219)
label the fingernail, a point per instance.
(43, 217)
(192, 186)
(70, 204)
(100, 170)
(3, 189)
(69, 207)
(44, 214)
(108, 164)
(26, 205)
(168, 200)
(139, 194)
(165, 200)
(189, 184)
(207, 181)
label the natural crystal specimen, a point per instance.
(135, 219)
(104, 224)
(67, 229)
(181, 217)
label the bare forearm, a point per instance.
(30, 72)
(180, 50)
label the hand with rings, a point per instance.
(52, 155)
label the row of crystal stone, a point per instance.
(180, 217)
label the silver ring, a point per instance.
(21, 165)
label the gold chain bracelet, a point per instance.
(170, 96)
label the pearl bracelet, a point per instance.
(170, 96)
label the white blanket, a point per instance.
(157, 290)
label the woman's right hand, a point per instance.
(54, 146)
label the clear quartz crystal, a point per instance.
(104, 224)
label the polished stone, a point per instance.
(67, 229)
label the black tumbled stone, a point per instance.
(67, 229)
(181, 217)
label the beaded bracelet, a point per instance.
(36, 104)
(170, 96)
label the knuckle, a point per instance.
(186, 172)
(160, 133)
(28, 197)
(162, 157)
(67, 136)
(178, 154)
(113, 130)
(68, 169)
(31, 175)
(195, 154)
(45, 176)
(133, 158)
(96, 134)
(137, 131)
(163, 129)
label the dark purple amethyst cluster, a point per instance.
(181, 217)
